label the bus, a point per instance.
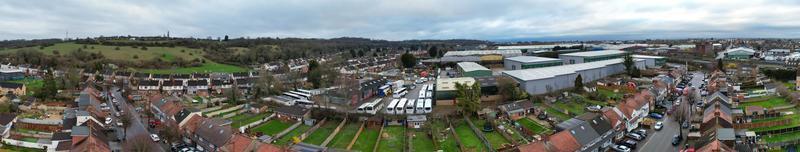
(293, 95)
(383, 90)
(400, 92)
(421, 94)
(420, 105)
(398, 109)
(428, 105)
(430, 87)
(390, 107)
(362, 108)
(429, 95)
(304, 91)
(304, 95)
(410, 106)
(374, 106)
(304, 103)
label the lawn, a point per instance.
(445, 139)
(12, 148)
(495, 138)
(790, 85)
(345, 135)
(322, 133)
(393, 139)
(609, 93)
(366, 140)
(791, 136)
(795, 121)
(272, 127)
(422, 142)
(244, 119)
(571, 107)
(468, 138)
(555, 113)
(768, 103)
(31, 84)
(532, 125)
(209, 66)
(289, 137)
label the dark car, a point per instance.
(634, 136)
(656, 116)
(630, 143)
(640, 132)
(685, 124)
(676, 140)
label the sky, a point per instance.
(404, 19)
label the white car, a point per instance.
(154, 137)
(658, 125)
(108, 120)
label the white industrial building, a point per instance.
(504, 53)
(527, 62)
(591, 56)
(651, 61)
(543, 80)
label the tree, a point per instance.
(720, 65)
(169, 132)
(361, 53)
(226, 38)
(508, 89)
(468, 97)
(126, 122)
(578, 83)
(140, 143)
(49, 87)
(408, 60)
(628, 63)
(433, 51)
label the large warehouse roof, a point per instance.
(646, 56)
(549, 72)
(448, 84)
(594, 53)
(531, 59)
(482, 52)
(471, 66)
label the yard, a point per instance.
(289, 137)
(552, 112)
(345, 135)
(570, 107)
(422, 142)
(610, 94)
(31, 84)
(366, 140)
(445, 139)
(12, 148)
(392, 138)
(766, 102)
(791, 136)
(533, 126)
(469, 139)
(246, 118)
(495, 138)
(322, 133)
(272, 127)
(795, 122)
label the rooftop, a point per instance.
(471, 66)
(594, 53)
(444, 84)
(481, 52)
(646, 56)
(549, 72)
(531, 59)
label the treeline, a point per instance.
(780, 74)
(13, 44)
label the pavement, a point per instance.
(136, 128)
(662, 140)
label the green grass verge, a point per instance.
(393, 139)
(446, 141)
(322, 133)
(345, 135)
(366, 140)
(469, 139)
(533, 126)
(272, 127)
(422, 142)
(289, 137)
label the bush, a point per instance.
(116, 48)
(135, 56)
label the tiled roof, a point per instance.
(213, 132)
(239, 142)
(564, 141)
(6, 118)
(715, 146)
(533, 147)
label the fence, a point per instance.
(211, 109)
(243, 128)
(778, 131)
(226, 116)
(25, 143)
(211, 114)
(761, 124)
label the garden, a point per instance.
(422, 142)
(272, 127)
(445, 139)
(533, 126)
(392, 138)
(366, 140)
(289, 137)
(495, 138)
(246, 118)
(322, 133)
(765, 102)
(469, 139)
(345, 135)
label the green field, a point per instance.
(766, 103)
(469, 139)
(322, 133)
(785, 137)
(609, 93)
(392, 139)
(345, 135)
(246, 118)
(366, 140)
(571, 107)
(288, 138)
(272, 127)
(445, 139)
(533, 126)
(209, 66)
(422, 142)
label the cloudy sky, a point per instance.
(403, 19)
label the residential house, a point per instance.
(614, 117)
(149, 85)
(197, 87)
(416, 121)
(210, 135)
(172, 86)
(602, 126)
(182, 77)
(6, 121)
(716, 116)
(534, 147)
(163, 108)
(240, 75)
(293, 113)
(12, 88)
(11, 73)
(200, 76)
(89, 137)
(244, 84)
(240, 143)
(564, 141)
(183, 116)
(634, 109)
(715, 146)
(218, 85)
(582, 131)
(159, 77)
(517, 109)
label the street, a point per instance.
(662, 140)
(136, 128)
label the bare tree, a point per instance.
(140, 143)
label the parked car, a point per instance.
(641, 132)
(108, 120)
(685, 124)
(621, 148)
(594, 108)
(634, 136)
(629, 143)
(676, 140)
(656, 116)
(154, 137)
(658, 125)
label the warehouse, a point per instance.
(527, 62)
(591, 56)
(472, 69)
(483, 56)
(446, 89)
(543, 80)
(651, 61)
(737, 53)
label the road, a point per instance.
(662, 140)
(136, 128)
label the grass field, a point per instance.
(205, 68)
(366, 140)
(345, 135)
(444, 138)
(322, 133)
(768, 103)
(272, 127)
(571, 107)
(422, 142)
(609, 93)
(392, 139)
(533, 126)
(468, 138)
(244, 119)
(288, 138)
